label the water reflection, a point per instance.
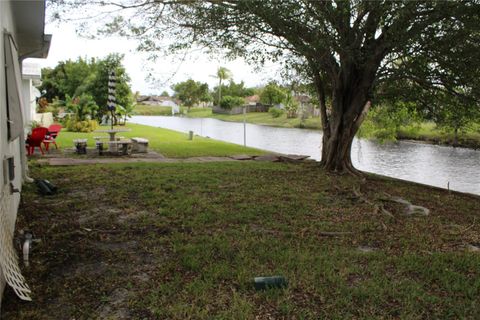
(424, 163)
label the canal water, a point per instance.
(423, 163)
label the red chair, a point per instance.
(52, 134)
(35, 139)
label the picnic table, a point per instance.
(112, 132)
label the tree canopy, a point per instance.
(349, 47)
(221, 74)
(191, 92)
(272, 94)
(88, 78)
(233, 89)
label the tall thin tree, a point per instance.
(222, 74)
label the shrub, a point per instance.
(291, 105)
(83, 106)
(385, 122)
(385, 134)
(35, 124)
(275, 112)
(229, 102)
(76, 125)
(272, 94)
(42, 105)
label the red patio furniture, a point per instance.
(52, 134)
(35, 139)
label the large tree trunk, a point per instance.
(338, 137)
(350, 104)
(336, 151)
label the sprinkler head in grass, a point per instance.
(273, 282)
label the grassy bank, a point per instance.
(429, 132)
(426, 131)
(170, 143)
(147, 110)
(184, 241)
(262, 118)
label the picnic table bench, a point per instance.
(121, 146)
(140, 145)
(80, 145)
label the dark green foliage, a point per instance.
(233, 89)
(83, 106)
(275, 112)
(69, 77)
(222, 74)
(99, 88)
(83, 110)
(291, 105)
(272, 94)
(456, 113)
(85, 126)
(229, 102)
(384, 121)
(191, 92)
(79, 78)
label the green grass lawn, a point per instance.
(422, 131)
(428, 131)
(170, 143)
(184, 241)
(148, 110)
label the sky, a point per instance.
(66, 44)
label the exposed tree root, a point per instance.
(355, 172)
(345, 169)
(377, 208)
(410, 209)
(464, 229)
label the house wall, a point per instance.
(45, 119)
(159, 103)
(8, 202)
(168, 104)
(29, 105)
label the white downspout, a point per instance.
(23, 158)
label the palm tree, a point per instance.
(222, 74)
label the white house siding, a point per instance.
(168, 103)
(28, 17)
(31, 78)
(7, 149)
(29, 102)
